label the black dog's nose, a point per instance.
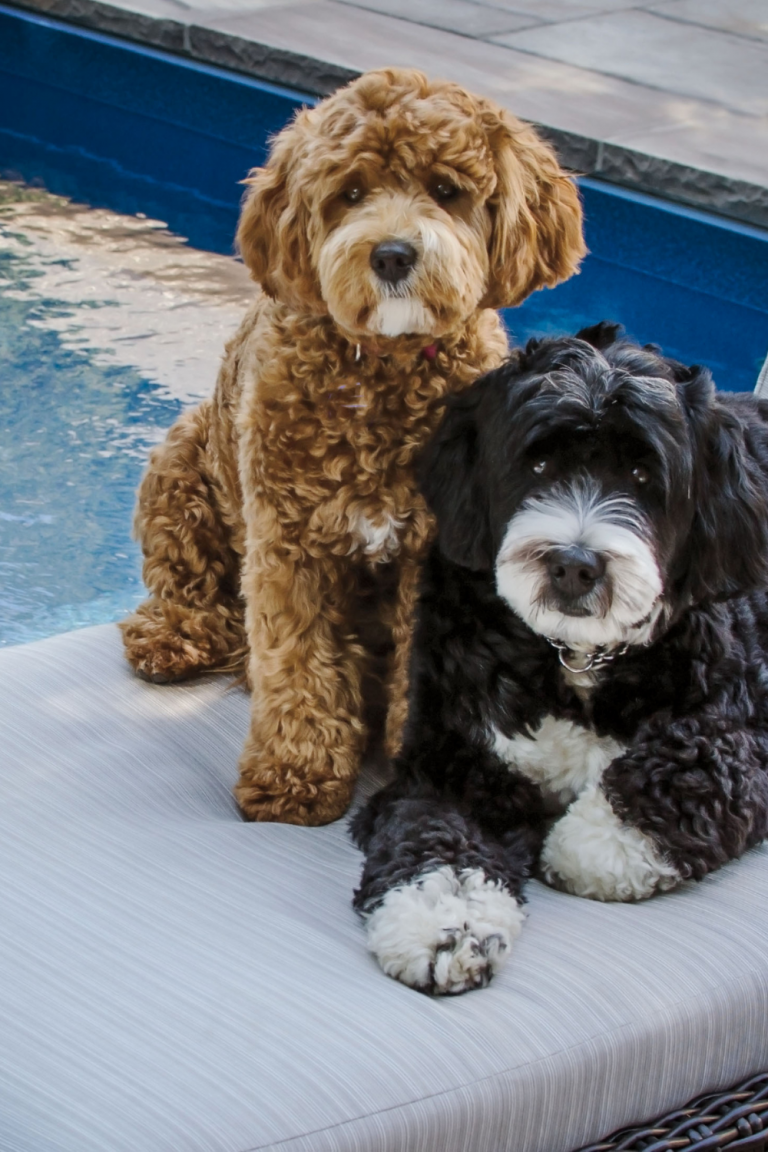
(574, 571)
(392, 260)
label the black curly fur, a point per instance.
(691, 707)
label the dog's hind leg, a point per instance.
(193, 622)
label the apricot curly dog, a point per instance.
(386, 226)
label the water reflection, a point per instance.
(109, 325)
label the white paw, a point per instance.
(445, 932)
(590, 852)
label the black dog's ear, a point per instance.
(450, 477)
(728, 545)
(601, 335)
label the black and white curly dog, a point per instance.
(590, 676)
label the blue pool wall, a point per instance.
(133, 129)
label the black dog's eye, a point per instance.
(640, 474)
(444, 191)
(354, 194)
(539, 467)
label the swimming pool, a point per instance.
(110, 323)
(109, 326)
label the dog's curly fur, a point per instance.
(650, 769)
(267, 506)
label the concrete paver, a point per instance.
(462, 16)
(534, 87)
(659, 52)
(741, 18)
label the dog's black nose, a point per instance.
(574, 571)
(392, 260)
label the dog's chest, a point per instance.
(331, 441)
(561, 757)
(366, 476)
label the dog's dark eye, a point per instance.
(640, 474)
(354, 194)
(445, 191)
(539, 467)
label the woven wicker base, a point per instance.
(734, 1120)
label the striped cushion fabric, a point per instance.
(175, 980)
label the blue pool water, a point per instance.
(110, 325)
(73, 438)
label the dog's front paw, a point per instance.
(279, 796)
(445, 933)
(590, 852)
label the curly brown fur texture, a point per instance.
(275, 498)
(192, 547)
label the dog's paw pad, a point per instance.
(464, 960)
(445, 932)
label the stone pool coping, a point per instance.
(267, 42)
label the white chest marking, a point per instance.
(561, 757)
(378, 540)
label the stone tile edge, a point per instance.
(640, 171)
(208, 46)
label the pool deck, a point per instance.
(669, 98)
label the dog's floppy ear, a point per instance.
(450, 476)
(273, 233)
(536, 239)
(728, 544)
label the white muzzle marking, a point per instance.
(626, 607)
